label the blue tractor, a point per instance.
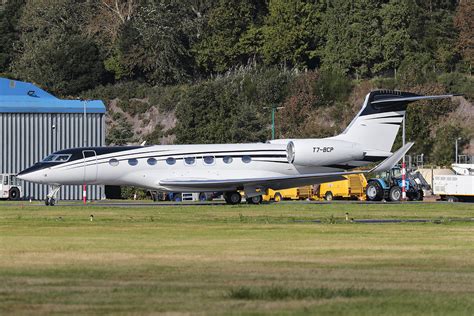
(388, 186)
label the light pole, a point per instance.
(84, 134)
(456, 154)
(274, 109)
(404, 194)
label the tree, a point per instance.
(290, 34)
(353, 36)
(52, 52)
(156, 42)
(464, 22)
(230, 35)
(9, 35)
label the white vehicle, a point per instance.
(458, 187)
(10, 187)
(228, 168)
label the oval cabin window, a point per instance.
(170, 161)
(151, 161)
(133, 162)
(113, 162)
(208, 160)
(246, 159)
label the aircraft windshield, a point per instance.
(57, 158)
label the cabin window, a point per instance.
(170, 161)
(133, 162)
(227, 159)
(190, 160)
(113, 162)
(208, 160)
(151, 161)
(246, 159)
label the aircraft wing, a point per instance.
(280, 181)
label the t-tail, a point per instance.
(376, 125)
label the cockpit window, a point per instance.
(49, 158)
(57, 158)
(62, 158)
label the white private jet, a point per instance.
(228, 168)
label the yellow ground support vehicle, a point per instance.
(351, 188)
(299, 193)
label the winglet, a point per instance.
(391, 161)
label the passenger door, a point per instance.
(90, 165)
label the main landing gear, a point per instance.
(232, 197)
(235, 197)
(51, 197)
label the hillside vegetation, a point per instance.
(203, 71)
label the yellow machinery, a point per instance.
(299, 193)
(351, 188)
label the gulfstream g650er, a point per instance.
(253, 168)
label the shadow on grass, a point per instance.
(275, 293)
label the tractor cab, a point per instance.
(10, 187)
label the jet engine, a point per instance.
(322, 152)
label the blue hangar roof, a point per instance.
(24, 97)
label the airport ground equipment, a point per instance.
(298, 193)
(11, 188)
(388, 186)
(353, 187)
(458, 187)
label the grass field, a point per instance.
(237, 260)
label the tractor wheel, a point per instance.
(374, 191)
(395, 194)
(328, 196)
(277, 197)
(14, 194)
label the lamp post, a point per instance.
(274, 109)
(456, 154)
(404, 194)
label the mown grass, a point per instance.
(268, 259)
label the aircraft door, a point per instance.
(90, 165)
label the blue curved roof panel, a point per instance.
(24, 97)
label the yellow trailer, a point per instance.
(351, 188)
(299, 193)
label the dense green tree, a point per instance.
(9, 34)
(155, 43)
(290, 33)
(230, 35)
(52, 51)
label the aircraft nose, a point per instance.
(32, 174)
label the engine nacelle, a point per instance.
(322, 152)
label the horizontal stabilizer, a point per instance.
(414, 98)
(391, 161)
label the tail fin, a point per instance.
(378, 122)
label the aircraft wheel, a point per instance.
(277, 197)
(14, 194)
(255, 199)
(374, 191)
(233, 197)
(395, 194)
(328, 196)
(52, 202)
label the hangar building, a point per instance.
(34, 123)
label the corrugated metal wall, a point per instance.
(26, 138)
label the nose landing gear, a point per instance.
(51, 197)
